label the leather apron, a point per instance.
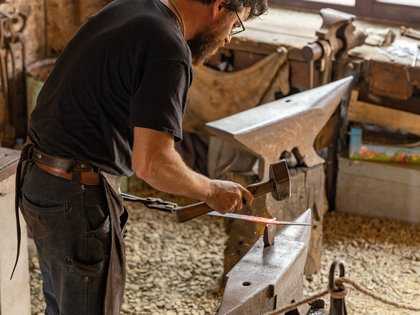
(117, 264)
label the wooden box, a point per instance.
(379, 190)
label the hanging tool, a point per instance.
(278, 185)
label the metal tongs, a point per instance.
(168, 206)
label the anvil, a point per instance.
(287, 127)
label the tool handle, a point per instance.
(260, 189)
(192, 211)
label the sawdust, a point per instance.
(382, 255)
(176, 268)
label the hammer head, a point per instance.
(280, 179)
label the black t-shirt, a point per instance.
(128, 66)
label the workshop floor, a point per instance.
(176, 269)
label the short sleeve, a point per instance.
(159, 101)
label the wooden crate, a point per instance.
(379, 190)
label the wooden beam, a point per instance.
(368, 113)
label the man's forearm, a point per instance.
(168, 173)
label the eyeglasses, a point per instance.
(237, 28)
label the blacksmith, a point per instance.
(113, 106)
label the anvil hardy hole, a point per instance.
(246, 284)
(288, 101)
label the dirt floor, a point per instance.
(176, 269)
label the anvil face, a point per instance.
(271, 276)
(292, 122)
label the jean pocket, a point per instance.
(42, 220)
(93, 247)
(90, 257)
(93, 250)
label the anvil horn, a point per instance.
(269, 130)
(271, 277)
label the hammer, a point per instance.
(278, 185)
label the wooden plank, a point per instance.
(368, 113)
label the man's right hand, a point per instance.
(226, 196)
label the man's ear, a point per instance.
(217, 8)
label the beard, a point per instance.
(204, 45)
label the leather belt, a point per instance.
(82, 172)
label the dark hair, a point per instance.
(258, 7)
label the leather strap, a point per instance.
(80, 172)
(86, 178)
(21, 169)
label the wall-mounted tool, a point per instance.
(278, 185)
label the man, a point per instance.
(113, 105)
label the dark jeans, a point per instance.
(70, 225)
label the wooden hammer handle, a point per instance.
(190, 212)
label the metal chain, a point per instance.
(340, 282)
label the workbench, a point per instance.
(15, 293)
(294, 30)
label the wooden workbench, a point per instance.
(389, 76)
(293, 29)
